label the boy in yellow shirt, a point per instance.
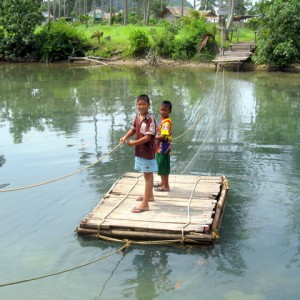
(164, 142)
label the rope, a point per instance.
(157, 242)
(126, 245)
(118, 204)
(81, 170)
(188, 207)
(62, 177)
(212, 124)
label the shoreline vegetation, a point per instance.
(260, 43)
(162, 63)
(169, 63)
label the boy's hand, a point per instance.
(130, 143)
(122, 140)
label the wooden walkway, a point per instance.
(236, 55)
(191, 212)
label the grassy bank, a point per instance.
(116, 38)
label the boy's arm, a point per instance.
(130, 133)
(140, 141)
(160, 137)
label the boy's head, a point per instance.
(165, 109)
(143, 104)
(144, 98)
(167, 104)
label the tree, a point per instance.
(242, 7)
(235, 7)
(19, 20)
(208, 5)
(278, 42)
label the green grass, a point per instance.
(243, 35)
(114, 37)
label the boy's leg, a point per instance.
(165, 181)
(164, 168)
(148, 194)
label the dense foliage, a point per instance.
(278, 42)
(139, 42)
(186, 44)
(164, 42)
(18, 20)
(59, 40)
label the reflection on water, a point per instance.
(56, 119)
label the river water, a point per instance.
(57, 119)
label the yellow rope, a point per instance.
(62, 177)
(119, 203)
(189, 128)
(81, 170)
(157, 242)
(126, 245)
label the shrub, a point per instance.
(58, 41)
(185, 48)
(164, 42)
(278, 41)
(18, 21)
(187, 44)
(14, 48)
(139, 42)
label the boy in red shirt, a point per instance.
(144, 127)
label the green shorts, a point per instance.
(163, 163)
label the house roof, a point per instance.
(207, 13)
(176, 11)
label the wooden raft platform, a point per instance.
(190, 213)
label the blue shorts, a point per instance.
(145, 165)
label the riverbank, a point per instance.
(249, 66)
(167, 63)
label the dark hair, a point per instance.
(143, 98)
(168, 104)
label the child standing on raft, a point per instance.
(164, 140)
(144, 127)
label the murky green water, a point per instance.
(56, 119)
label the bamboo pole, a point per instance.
(137, 235)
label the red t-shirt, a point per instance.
(145, 127)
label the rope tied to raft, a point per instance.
(81, 170)
(127, 243)
(189, 206)
(119, 203)
(62, 177)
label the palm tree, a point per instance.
(125, 2)
(147, 15)
(208, 5)
(48, 11)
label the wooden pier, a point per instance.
(190, 213)
(235, 56)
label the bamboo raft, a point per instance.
(190, 213)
